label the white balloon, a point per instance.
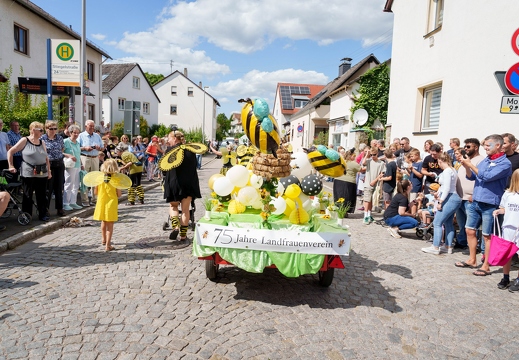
(280, 188)
(222, 186)
(257, 204)
(238, 175)
(256, 181)
(248, 195)
(280, 205)
(307, 205)
(300, 165)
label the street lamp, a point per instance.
(203, 117)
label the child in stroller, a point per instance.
(427, 208)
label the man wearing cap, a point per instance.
(471, 150)
(90, 144)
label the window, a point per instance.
(90, 71)
(189, 91)
(173, 109)
(174, 90)
(105, 76)
(431, 108)
(298, 104)
(435, 14)
(20, 40)
(136, 82)
(146, 108)
(91, 111)
(121, 102)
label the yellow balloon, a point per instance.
(291, 205)
(212, 179)
(292, 191)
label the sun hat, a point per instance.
(434, 187)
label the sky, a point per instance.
(238, 48)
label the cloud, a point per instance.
(263, 84)
(99, 37)
(248, 26)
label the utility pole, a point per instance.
(171, 66)
(203, 117)
(81, 117)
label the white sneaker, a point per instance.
(394, 233)
(431, 250)
(67, 208)
(445, 249)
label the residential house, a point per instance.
(185, 104)
(449, 59)
(127, 82)
(236, 124)
(32, 26)
(319, 113)
(289, 99)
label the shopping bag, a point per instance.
(501, 250)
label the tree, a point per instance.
(321, 138)
(373, 95)
(223, 125)
(153, 78)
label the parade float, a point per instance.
(267, 212)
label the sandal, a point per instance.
(481, 272)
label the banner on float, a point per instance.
(289, 241)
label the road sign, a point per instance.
(515, 41)
(300, 128)
(510, 105)
(65, 62)
(512, 79)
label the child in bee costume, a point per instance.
(134, 166)
(229, 157)
(108, 184)
(181, 180)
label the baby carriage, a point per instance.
(192, 222)
(9, 182)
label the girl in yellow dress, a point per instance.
(107, 203)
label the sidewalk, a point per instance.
(16, 234)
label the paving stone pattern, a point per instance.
(63, 297)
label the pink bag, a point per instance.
(501, 250)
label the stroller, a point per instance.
(9, 182)
(192, 223)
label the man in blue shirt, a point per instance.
(15, 136)
(90, 145)
(489, 178)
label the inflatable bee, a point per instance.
(327, 161)
(117, 180)
(175, 156)
(229, 158)
(260, 127)
(245, 154)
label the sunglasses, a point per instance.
(52, 128)
(38, 129)
(468, 147)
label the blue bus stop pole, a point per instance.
(49, 81)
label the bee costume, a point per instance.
(107, 201)
(181, 179)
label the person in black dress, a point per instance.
(180, 187)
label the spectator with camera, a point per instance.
(430, 167)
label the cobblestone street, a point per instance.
(63, 297)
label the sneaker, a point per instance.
(371, 219)
(431, 250)
(85, 204)
(361, 208)
(2, 227)
(366, 221)
(67, 208)
(141, 201)
(394, 233)
(173, 235)
(422, 226)
(514, 286)
(76, 206)
(503, 284)
(445, 249)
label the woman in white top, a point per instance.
(448, 202)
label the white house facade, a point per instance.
(185, 104)
(32, 26)
(127, 82)
(445, 56)
(321, 115)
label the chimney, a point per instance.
(185, 72)
(200, 84)
(345, 66)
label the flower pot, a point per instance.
(328, 212)
(207, 215)
(341, 222)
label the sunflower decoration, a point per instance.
(268, 190)
(175, 156)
